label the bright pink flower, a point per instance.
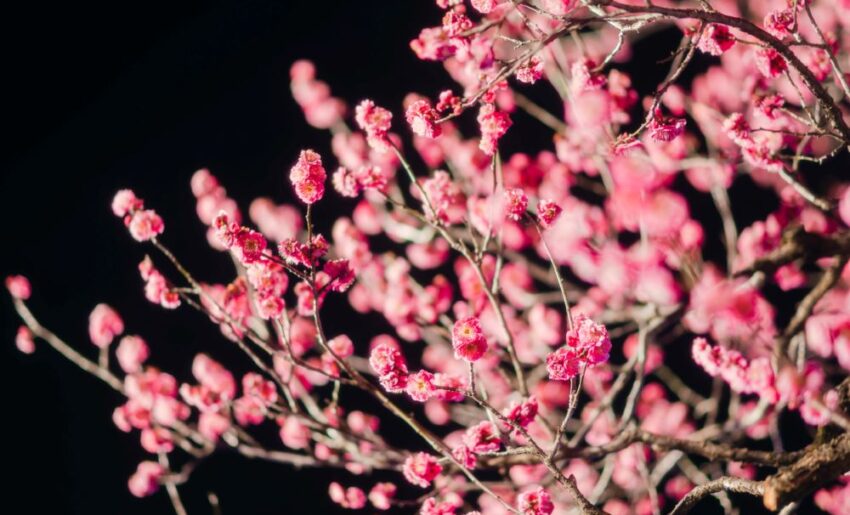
(125, 202)
(769, 62)
(308, 177)
(780, 23)
(156, 440)
(535, 502)
(249, 246)
(381, 495)
(433, 507)
(446, 201)
(294, 434)
(482, 437)
(104, 325)
(558, 7)
(522, 413)
(468, 339)
(132, 352)
(516, 204)
(716, 39)
(19, 287)
(24, 340)
(352, 498)
(484, 6)
(345, 183)
(663, 128)
(493, 124)
(144, 225)
(145, 481)
(449, 103)
(386, 360)
(342, 346)
(465, 456)
(340, 273)
(420, 386)
(421, 468)
(531, 71)
(547, 212)
(211, 374)
(737, 129)
(587, 345)
(376, 122)
(422, 117)
(254, 385)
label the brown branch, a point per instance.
(723, 484)
(819, 466)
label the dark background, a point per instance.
(104, 95)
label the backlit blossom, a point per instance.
(716, 39)
(104, 325)
(381, 495)
(493, 125)
(547, 212)
(663, 128)
(531, 71)
(19, 287)
(468, 339)
(132, 352)
(769, 62)
(421, 468)
(376, 122)
(535, 502)
(308, 177)
(420, 386)
(145, 481)
(587, 345)
(144, 225)
(516, 204)
(422, 117)
(24, 340)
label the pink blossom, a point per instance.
(145, 481)
(531, 71)
(24, 340)
(558, 7)
(352, 498)
(535, 502)
(104, 325)
(345, 183)
(522, 413)
(144, 225)
(19, 287)
(468, 339)
(465, 456)
(484, 6)
(381, 495)
(433, 507)
(132, 352)
(445, 199)
(376, 122)
(422, 117)
(663, 128)
(547, 212)
(340, 273)
(125, 202)
(211, 374)
(587, 345)
(386, 360)
(421, 468)
(716, 39)
(516, 204)
(482, 438)
(780, 23)
(420, 386)
(308, 177)
(294, 434)
(769, 62)
(493, 125)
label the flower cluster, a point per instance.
(308, 177)
(587, 345)
(143, 224)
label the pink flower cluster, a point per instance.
(376, 122)
(308, 177)
(321, 110)
(144, 224)
(468, 339)
(421, 469)
(587, 345)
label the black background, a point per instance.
(106, 95)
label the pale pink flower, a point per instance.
(421, 468)
(24, 340)
(535, 502)
(104, 325)
(381, 495)
(144, 225)
(145, 481)
(422, 117)
(468, 339)
(19, 287)
(352, 498)
(132, 352)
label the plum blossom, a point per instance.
(421, 469)
(587, 345)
